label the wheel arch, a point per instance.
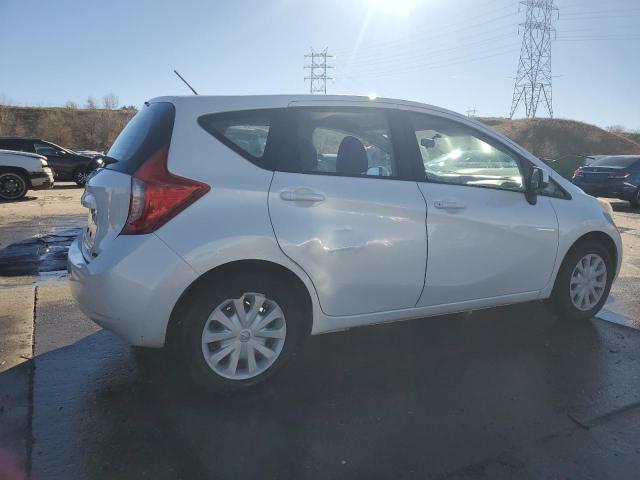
(274, 269)
(598, 237)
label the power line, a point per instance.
(430, 66)
(318, 71)
(533, 80)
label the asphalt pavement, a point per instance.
(513, 392)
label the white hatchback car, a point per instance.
(231, 228)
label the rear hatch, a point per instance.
(108, 192)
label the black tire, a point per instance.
(187, 341)
(80, 177)
(635, 201)
(13, 186)
(561, 300)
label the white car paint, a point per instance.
(361, 262)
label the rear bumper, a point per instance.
(131, 287)
(41, 180)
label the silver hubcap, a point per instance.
(244, 336)
(588, 281)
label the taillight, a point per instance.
(157, 195)
(578, 172)
(623, 174)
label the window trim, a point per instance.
(396, 131)
(524, 165)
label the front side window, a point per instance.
(344, 141)
(44, 149)
(456, 154)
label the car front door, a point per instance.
(486, 241)
(344, 208)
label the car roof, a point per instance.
(30, 139)
(280, 101)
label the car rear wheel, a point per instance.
(583, 282)
(13, 186)
(239, 331)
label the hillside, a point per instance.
(555, 138)
(81, 129)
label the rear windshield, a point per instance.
(614, 162)
(145, 134)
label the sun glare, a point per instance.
(394, 7)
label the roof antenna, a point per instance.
(185, 82)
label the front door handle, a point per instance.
(301, 195)
(449, 205)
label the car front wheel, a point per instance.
(239, 331)
(583, 282)
(13, 186)
(80, 177)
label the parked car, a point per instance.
(21, 172)
(66, 164)
(615, 176)
(232, 251)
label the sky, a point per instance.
(457, 54)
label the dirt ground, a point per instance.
(41, 212)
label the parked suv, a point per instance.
(66, 164)
(231, 228)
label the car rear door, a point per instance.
(486, 240)
(344, 208)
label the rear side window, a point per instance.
(146, 133)
(344, 141)
(247, 132)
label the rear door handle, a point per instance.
(449, 205)
(301, 195)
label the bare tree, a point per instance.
(5, 100)
(71, 105)
(91, 103)
(110, 101)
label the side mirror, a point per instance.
(537, 181)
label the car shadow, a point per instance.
(26, 198)
(410, 400)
